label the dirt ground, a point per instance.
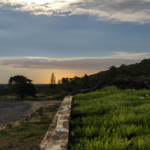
(12, 110)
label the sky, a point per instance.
(71, 37)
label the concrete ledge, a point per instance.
(54, 139)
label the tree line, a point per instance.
(66, 80)
(23, 86)
(133, 71)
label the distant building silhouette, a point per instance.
(53, 81)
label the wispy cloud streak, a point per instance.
(91, 63)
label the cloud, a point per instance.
(115, 10)
(84, 63)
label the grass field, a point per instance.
(111, 119)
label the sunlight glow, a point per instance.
(32, 2)
(39, 7)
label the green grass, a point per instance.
(31, 97)
(111, 119)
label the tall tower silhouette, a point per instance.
(53, 81)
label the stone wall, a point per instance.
(57, 135)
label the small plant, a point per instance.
(32, 115)
(19, 128)
(40, 111)
(43, 118)
(50, 108)
(9, 126)
(31, 134)
(7, 145)
(34, 148)
(27, 118)
(3, 133)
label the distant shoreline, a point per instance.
(18, 99)
(36, 85)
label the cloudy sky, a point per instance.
(71, 37)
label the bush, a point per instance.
(27, 88)
(44, 120)
(40, 111)
(9, 126)
(32, 115)
(3, 133)
(31, 134)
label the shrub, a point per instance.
(40, 111)
(9, 126)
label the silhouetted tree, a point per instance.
(123, 65)
(145, 61)
(85, 79)
(65, 80)
(71, 79)
(22, 85)
(76, 78)
(18, 80)
(113, 68)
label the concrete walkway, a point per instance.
(24, 107)
(56, 137)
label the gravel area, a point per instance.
(12, 110)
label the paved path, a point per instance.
(14, 110)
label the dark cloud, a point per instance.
(130, 6)
(123, 10)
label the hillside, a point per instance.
(134, 71)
